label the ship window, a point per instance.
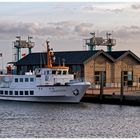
(26, 79)
(21, 92)
(54, 72)
(6, 92)
(1, 92)
(16, 80)
(38, 75)
(16, 92)
(64, 72)
(59, 72)
(26, 92)
(47, 72)
(31, 79)
(10, 92)
(31, 92)
(21, 79)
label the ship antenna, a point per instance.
(63, 61)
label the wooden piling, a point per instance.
(101, 85)
(122, 87)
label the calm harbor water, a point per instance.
(42, 120)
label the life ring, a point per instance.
(76, 92)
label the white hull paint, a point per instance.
(44, 99)
(68, 94)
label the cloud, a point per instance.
(135, 7)
(63, 29)
(31, 28)
(114, 8)
(88, 9)
(83, 29)
(63, 23)
(128, 32)
(55, 29)
(14, 28)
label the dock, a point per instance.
(131, 96)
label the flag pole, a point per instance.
(1, 61)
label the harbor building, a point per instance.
(120, 61)
(89, 65)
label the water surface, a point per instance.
(43, 120)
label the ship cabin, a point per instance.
(53, 76)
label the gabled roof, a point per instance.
(70, 57)
(74, 57)
(101, 52)
(118, 55)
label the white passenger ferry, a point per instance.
(49, 84)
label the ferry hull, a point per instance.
(44, 99)
(66, 94)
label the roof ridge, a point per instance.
(68, 51)
(118, 51)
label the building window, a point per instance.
(139, 79)
(26, 79)
(21, 79)
(1, 92)
(125, 72)
(128, 78)
(21, 92)
(97, 77)
(26, 92)
(97, 73)
(31, 92)
(31, 79)
(10, 92)
(16, 80)
(16, 92)
(6, 92)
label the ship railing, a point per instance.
(81, 79)
(6, 78)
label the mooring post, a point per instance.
(101, 85)
(122, 86)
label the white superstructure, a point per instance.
(50, 84)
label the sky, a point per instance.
(67, 24)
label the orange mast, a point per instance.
(50, 54)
